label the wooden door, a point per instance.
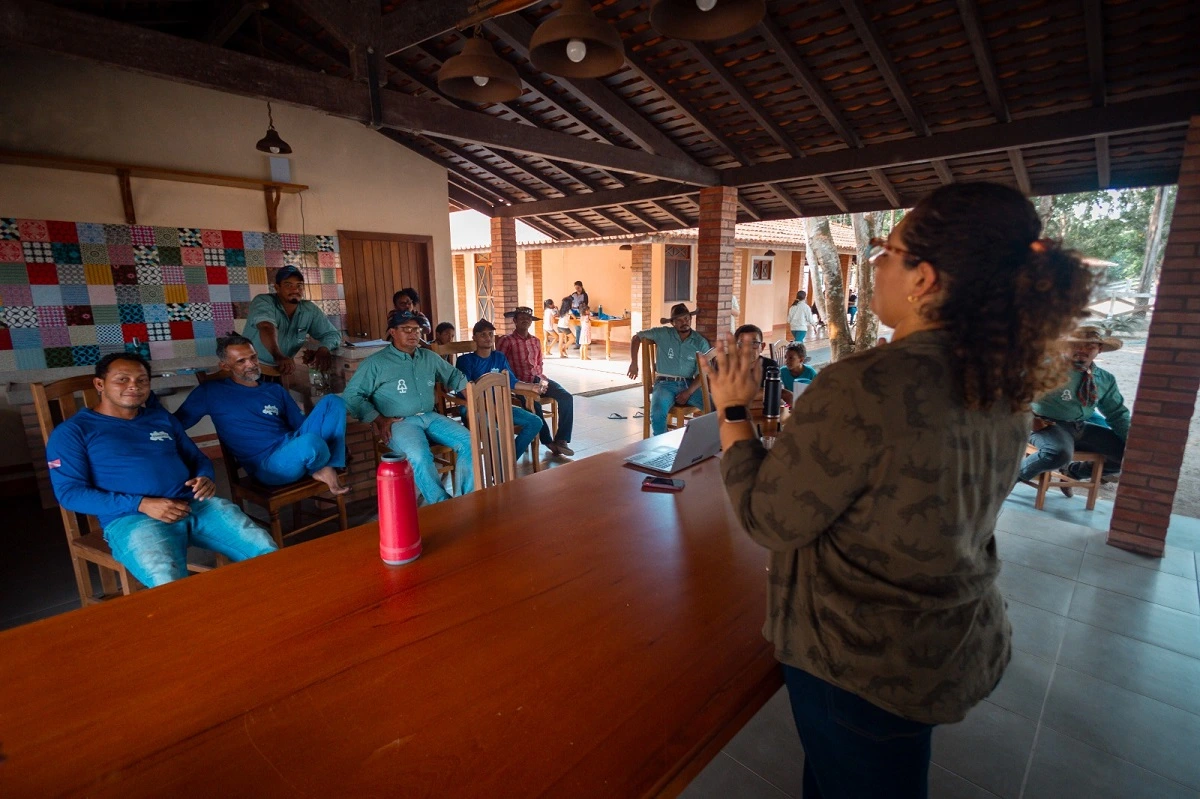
(377, 265)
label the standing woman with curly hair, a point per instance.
(879, 499)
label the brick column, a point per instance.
(504, 270)
(533, 268)
(714, 280)
(460, 293)
(1170, 378)
(641, 279)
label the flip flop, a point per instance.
(615, 415)
(638, 415)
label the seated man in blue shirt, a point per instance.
(136, 469)
(263, 426)
(394, 391)
(485, 359)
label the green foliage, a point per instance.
(1109, 225)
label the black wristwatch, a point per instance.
(735, 413)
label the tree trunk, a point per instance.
(1154, 242)
(1045, 205)
(818, 240)
(866, 227)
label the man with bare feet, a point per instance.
(260, 422)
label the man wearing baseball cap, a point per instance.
(524, 353)
(1064, 419)
(394, 391)
(485, 360)
(279, 324)
(677, 379)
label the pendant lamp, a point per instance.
(575, 44)
(272, 143)
(705, 20)
(478, 75)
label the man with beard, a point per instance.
(263, 426)
(677, 380)
(1064, 419)
(136, 469)
(524, 353)
(279, 324)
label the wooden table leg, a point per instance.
(608, 342)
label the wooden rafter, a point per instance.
(1093, 23)
(943, 171)
(466, 199)
(1103, 164)
(885, 186)
(833, 194)
(968, 13)
(870, 38)
(1018, 166)
(229, 18)
(786, 199)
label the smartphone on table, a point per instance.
(662, 484)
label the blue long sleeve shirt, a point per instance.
(250, 421)
(104, 466)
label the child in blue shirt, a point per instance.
(796, 370)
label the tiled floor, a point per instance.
(1102, 698)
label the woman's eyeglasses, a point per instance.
(878, 247)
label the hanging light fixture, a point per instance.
(272, 143)
(575, 44)
(478, 75)
(705, 20)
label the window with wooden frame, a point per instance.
(761, 267)
(677, 276)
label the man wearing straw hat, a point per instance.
(677, 381)
(1064, 419)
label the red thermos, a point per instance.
(399, 536)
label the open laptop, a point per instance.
(701, 440)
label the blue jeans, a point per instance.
(799, 335)
(854, 749)
(319, 441)
(853, 311)
(530, 424)
(566, 415)
(663, 397)
(1057, 444)
(156, 552)
(411, 436)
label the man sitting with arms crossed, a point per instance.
(279, 324)
(1062, 418)
(137, 470)
(485, 360)
(263, 425)
(678, 380)
(524, 353)
(394, 391)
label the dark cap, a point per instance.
(288, 271)
(680, 309)
(397, 318)
(482, 325)
(520, 309)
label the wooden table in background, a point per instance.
(608, 325)
(611, 657)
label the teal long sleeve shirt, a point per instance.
(1063, 405)
(393, 383)
(291, 332)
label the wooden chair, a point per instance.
(274, 499)
(54, 403)
(489, 409)
(677, 416)
(452, 350)
(1057, 479)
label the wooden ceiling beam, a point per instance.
(1093, 23)
(786, 199)
(586, 225)
(468, 200)
(778, 41)
(536, 223)
(100, 40)
(833, 194)
(418, 20)
(1103, 162)
(749, 209)
(1017, 159)
(563, 233)
(666, 209)
(886, 187)
(289, 29)
(640, 217)
(968, 13)
(711, 62)
(870, 38)
(231, 16)
(514, 31)
(943, 171)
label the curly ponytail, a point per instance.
(1007, 295)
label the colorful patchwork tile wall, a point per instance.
(72, 292)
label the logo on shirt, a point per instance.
(54, 464)
(401, 386)
(1066, 395)
(671, 352)
(161, 435)
(270, 410)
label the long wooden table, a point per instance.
(563, 635)
(607, 325)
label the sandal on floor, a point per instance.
(638, 415)
(615, 415)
